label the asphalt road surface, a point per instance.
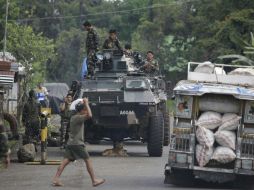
(137, 172)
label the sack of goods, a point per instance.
(206, 67)
(230, 121)
(242, 71)
(203, 154)
(223, 155)
(205, 136)
(209, 120)
(26, 153)
(219, 103)
(226, 138)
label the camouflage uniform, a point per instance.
(150, 66)
(112, 44)
(92, 42)
(65, 123)
(31, 119)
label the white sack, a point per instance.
(223, 155)
(230, 121)
(203, 154)
(209, 120)
(219, 103)
(242, 71)
(206, 67)
(74, 103)
(219, 71)
(205, 136)
(226, 138)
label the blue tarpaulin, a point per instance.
(84, 69)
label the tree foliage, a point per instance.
(31, 49)
(177, 31)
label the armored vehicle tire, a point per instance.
(166, 129)
(13, 123)
(155, 135)
(180, 177)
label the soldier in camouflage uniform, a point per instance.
(92, 43)
(4, 148)
(31, 118)
(151, 65)
(112, 41)
(65, 114)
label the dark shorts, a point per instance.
(75, 152)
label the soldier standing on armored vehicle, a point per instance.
(112, 41)
(65, 119)
(31, 118)
(151, 65)
(92, 42)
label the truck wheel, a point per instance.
(166, 129)
(13, 123)
(155, 135)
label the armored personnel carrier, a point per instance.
(126, 104)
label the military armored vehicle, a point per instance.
(126, 104)
(228, 92)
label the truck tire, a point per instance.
(166, 129)
(13, 123)
(155, 135)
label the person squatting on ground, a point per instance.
(112, 41)
(151, 65)
(65, 114)
(31, 118)
(4, 147)
(92, 46)
(75, 148)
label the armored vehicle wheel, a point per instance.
(166, 128)
(155, 135)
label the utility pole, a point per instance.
(150, 10)
(5, 30)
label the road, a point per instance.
(137, 172)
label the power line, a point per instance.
(104, 13)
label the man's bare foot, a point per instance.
(98, 182)
(57, 183)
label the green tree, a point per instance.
(70, 50)
(30, 48)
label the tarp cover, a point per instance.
(57, 91)
(198, 89)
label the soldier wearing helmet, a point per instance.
(31, 118)
(112, 41)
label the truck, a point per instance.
(126, 104)
(211, 91)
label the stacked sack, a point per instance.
(211, 127)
